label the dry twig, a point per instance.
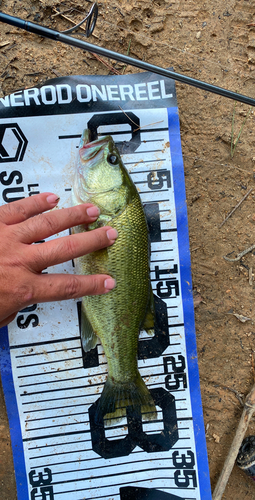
(234, 209)
(109, 66)
(240, 255)
(250, 276)
(233, 145)
(249, 408)
(4, 44)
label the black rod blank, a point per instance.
(60, 37)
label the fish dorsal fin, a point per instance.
(148, 324)
(88, 336)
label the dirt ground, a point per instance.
(211, 40)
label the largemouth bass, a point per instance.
(118, 316)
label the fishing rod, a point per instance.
(70, 40)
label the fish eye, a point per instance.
(113, 159)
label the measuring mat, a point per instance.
(51, 386)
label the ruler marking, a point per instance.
(48, 352)
(21, 346)
(154, 191)
(78, 378)
(148, 171)
(68, 452)
(85, 422)
(111, 474)
(162, 250)
(63, 369)
(84, 431)
(63, 380)
(175, 325)
(54, 483)
(56, 408)
(92, 375)
(145, 480)
(56, 416)
(172, 229)
(144, 162)
(59, 434)
(59, 389)
(70, 136)
(57, 399)
(45, 363)
(184, 418)
(134, 452)
(107, 496)
(103, 466)
(165, 241)
(155, 279)
(161, 260)
(153, 140)
(119, 132)
(61, 452)
(51, 372)
(155, 201)
(147, 151)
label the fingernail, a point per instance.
(112, 234)
(93, 211)
(52, 199)
(109, 283)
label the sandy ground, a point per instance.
(212, 40)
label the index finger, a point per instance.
(21, 210)
(46, 225)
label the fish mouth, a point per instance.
(86, 142)
(90, 152)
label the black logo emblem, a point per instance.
(13, 143)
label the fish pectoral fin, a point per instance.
(103, 220)
(148, 324)
(88, 336)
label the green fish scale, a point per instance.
(116, 317)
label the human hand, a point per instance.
(22, 223)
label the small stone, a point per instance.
(216, 438)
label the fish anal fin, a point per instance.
(88, 337)
(148, 323)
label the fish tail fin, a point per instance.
(117, 396)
